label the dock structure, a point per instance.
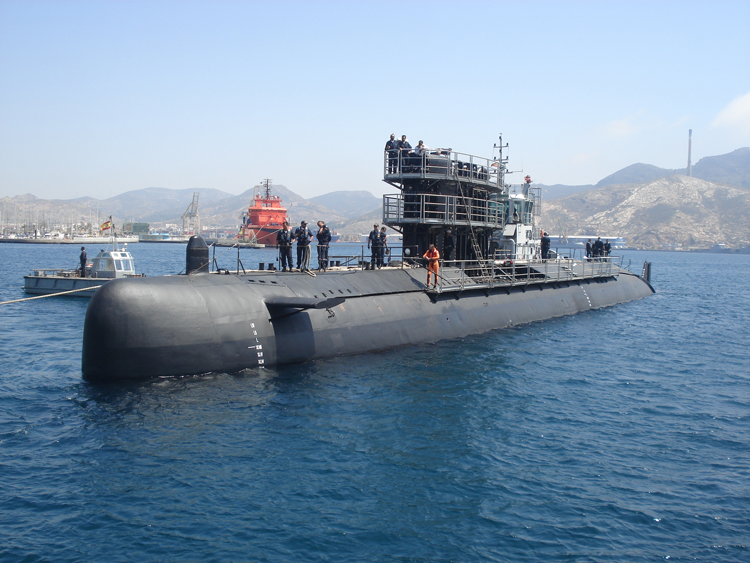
(191, 219)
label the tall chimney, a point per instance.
(690, 147)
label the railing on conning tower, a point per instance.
(401, 209)
(442, 164)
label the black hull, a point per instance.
(181, 325)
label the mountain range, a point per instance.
(669, 210)
(732, 169)
(651, 206)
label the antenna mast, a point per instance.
(502, 163)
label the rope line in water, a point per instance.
(49, 295)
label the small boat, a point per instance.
(263, 219)
(109, 264)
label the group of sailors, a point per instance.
(401, 154)
(597, 250)
(394, 148)
(377, 242)
(303, 236)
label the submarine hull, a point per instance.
(184, 325)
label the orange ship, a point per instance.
(263, 218)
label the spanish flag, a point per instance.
(105, 226)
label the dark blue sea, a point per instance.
(620, 434)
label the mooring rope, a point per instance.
(50, 295)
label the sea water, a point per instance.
(620, 434)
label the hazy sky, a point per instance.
(98, 98)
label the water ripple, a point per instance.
(613, 435)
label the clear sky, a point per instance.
(99, 98)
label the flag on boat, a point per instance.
(105, 226)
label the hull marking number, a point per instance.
(257, 347)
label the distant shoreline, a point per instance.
(95, 240)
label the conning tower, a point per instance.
(442, 190)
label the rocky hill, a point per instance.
(732, 168)
(151, 205)
(361, 225)
(349, 204)
(556, 191)
(675, 209)
(635, 174)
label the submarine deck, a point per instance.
(454, 277)
(229, 321)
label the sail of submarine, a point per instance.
(496, 276)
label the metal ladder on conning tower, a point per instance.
(486, 275)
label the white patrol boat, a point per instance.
(109, 264)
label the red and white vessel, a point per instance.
(263, 218)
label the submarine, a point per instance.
(494, 272)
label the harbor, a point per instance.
(78, 240)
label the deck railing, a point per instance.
(461, 275)
(442, 164)
(399, 209)
(466, 274)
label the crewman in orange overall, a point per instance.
(433, 266)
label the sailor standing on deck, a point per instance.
(433, 264)
(324, 239)
(404, 148)
(303, 236)
(284, 239)
(373, 242)
(83, 261)
(589, 250)
(598, 249)
(391, 147)
(448, 245)
(546, 243)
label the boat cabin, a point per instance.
(105, 266)
(112, 264)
